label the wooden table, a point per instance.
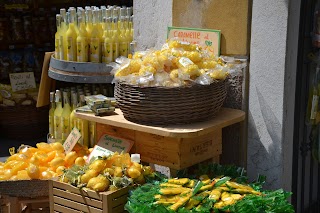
(174, 146)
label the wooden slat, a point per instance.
(59, 208)
(78, 198)
(51, 196)
(118, 209)
(120, 200)
(40, 205)
(158, 149)
(75, 205)
(225, 117)
(88, 193)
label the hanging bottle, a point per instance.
(313, 99)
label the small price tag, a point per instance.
(98, 151)
(71, 140)
(22, 81)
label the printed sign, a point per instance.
(208, 39)
(108, 145)
(71, 140)
(22, 81)
(98, 151)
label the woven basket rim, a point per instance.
(193, 84)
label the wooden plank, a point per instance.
(114, 131)
(88, 193)
(75, 205)
(51, 196)
(40, 205)
(45, 83)
(78, 198)
(59, 208)
(225, 117)
(158, 149)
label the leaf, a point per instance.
(222, 181)
(197, 187)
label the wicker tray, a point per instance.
(25, 188)
(162, 106)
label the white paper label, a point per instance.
(185, 61)
(22, 81)
(98, 151)
(71, 140)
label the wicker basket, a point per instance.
(162, 106)
(25, 188)
(24, 122)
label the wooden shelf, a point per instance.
(224, 118)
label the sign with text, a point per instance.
(107, 145)
(71, 140)
(22, 81)
(115, 144)
(208, 39)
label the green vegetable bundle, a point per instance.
(207, 194)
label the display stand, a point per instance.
(174, 146)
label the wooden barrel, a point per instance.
(79, 72)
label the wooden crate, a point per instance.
(67, 198)
(22, 204)
(173, 152)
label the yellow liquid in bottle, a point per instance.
(57, 37)
(92, 133)
(65, 117)
(57, 119)
(71, 43)
(95, 44)
(82, 44)
(51, 120)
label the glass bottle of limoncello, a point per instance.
(51, 114)
(83, 126)
(123, 42)
(82, 42)
(115, 38)
(72, 38)
(107, 52)
(63, 38)
(57, 37)
(65, 116)
(57, 116)
(74, 105)
(89, 21)
(95, 40)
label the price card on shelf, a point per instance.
(109, 144)
(22, 81)
(71, 140)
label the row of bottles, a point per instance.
(94, 34)
(62, 120)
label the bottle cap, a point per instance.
(51, 96)
(135, 158)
